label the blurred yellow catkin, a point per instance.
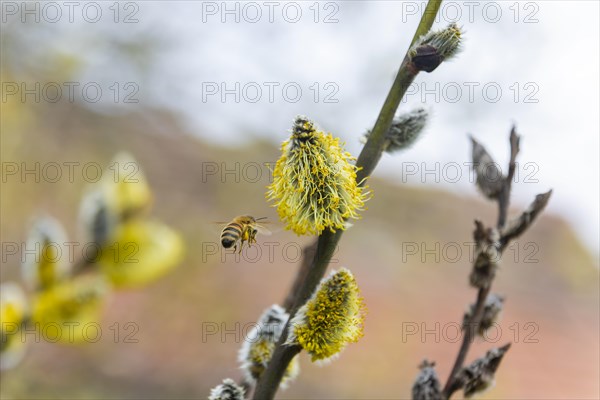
(70, 311)
(45, 262)
(13, 312)
(126, 187)
(139, 252)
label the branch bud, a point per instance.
(427, 384)
(228, 390)
(487, 256)
(490, 180)
(433, 48)
(479, 376)
(258, 347)
(405, 130)
(491, 312)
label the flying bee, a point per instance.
(242, 228)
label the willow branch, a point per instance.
(305, 265)
(503, 200)
(371, 152)
(367, 161)
(504, 197)
(506, 233)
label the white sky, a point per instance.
(553, 59)
(545, 51)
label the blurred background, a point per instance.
(203, 93)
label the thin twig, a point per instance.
(482, 294)
(507, 233)
(504, 198)
(369, 157)
(471, 329)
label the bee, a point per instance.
(242, 228)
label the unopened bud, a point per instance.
(258, 347)
(405, 130)
(427, 384)
(433, 48)
(228, 390)
(479, 376)
(491, 312)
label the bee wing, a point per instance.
(215, 227)
(262, 230)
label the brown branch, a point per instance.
(504, 198)
(307, 259)
(497, 238)
(452, 383)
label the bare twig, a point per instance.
(496, 240)
(504, 198)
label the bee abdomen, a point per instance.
(227, 242)
(230, 234)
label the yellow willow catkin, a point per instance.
(314, 183)
(13, 312)
(331, 319)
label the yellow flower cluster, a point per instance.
(314, 184)
(13, 311)
(259, 345)
(331, 319)
(134, 249)
(66, 311)
(123, 248)
(126, 188)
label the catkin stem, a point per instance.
(367, 161)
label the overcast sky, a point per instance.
(535, 64)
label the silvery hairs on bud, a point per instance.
(520, 224)
(46, 231)
(269, 327)
(479, 376)
(431, 49)
(491, 312)
(487, 255)
(404, 131)
(228, 390)
(427, 384)
(490, 180)
(257, 349)
(97, 219)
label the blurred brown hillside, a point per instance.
(191, 323)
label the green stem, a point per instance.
(371, 152)
(367, 161)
